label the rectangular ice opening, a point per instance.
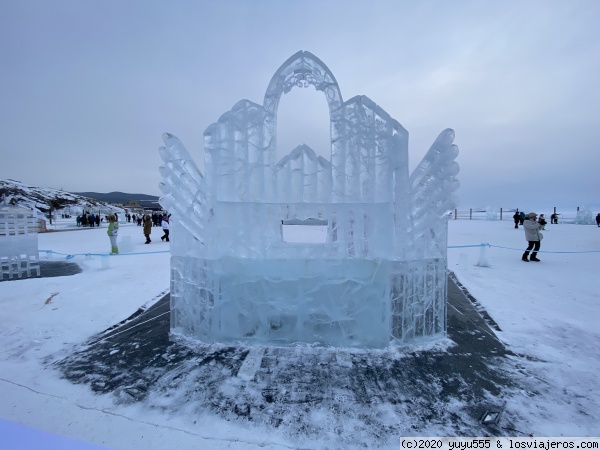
(304, 231)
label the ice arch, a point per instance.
(379, 275)
(302, 70)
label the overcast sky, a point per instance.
(88, 87)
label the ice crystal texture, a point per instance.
(585, 217)
(348, 252)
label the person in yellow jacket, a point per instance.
(113, 230)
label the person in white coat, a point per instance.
(533, 236)
(165, 227)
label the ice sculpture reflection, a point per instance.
(380, 274)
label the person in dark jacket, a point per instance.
(517, 219)
(522, 217)
(598, 219)
(532, 236)
(147, 228)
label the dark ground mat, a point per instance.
(52, 269)
(305, 391)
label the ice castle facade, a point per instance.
(378, 276)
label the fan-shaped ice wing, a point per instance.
(432, 185)
(183, 187)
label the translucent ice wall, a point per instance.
(18, 243)
(585, 217)
(379, 275)
(432, 185)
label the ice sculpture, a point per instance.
(380, 274)
(491, 213)
(18, 242)
(585, 217)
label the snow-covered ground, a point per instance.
(548, 313)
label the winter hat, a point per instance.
(532, 215)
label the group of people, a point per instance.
(530, 222)
(532, 226)
(85, 219)
(520, 218)
(163, 221)
(113, 229)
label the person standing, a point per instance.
(165, 227)
(516, 218)
(533, 236)
(147, 228)
(113, 230)
(542, 222)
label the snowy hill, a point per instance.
(20, 194)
